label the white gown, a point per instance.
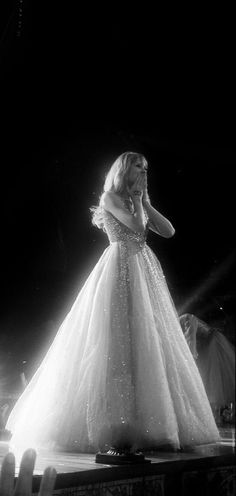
(118, 364)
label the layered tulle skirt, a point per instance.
(119, 363)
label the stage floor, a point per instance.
(66, 463)
(207, 469)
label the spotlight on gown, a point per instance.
(120, 353)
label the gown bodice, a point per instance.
(119, 232)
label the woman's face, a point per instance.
(137, 168)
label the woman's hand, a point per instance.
(137, 189)
(23, 485)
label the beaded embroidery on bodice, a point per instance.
(119, 232)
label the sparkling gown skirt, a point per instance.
(118, 364)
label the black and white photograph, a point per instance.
(117, 322)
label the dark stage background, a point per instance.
(79, 86)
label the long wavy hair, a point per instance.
(116, 181)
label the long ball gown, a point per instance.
(119, 359)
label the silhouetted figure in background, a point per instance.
(215, 358)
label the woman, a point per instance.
(119, 358)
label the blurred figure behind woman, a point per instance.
(215, 358)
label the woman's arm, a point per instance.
(113, 203)
(157, 222)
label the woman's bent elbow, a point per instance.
(170, 233)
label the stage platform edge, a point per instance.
(208, 470)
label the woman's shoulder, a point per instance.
(110, 198)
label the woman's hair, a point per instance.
(116, 181)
